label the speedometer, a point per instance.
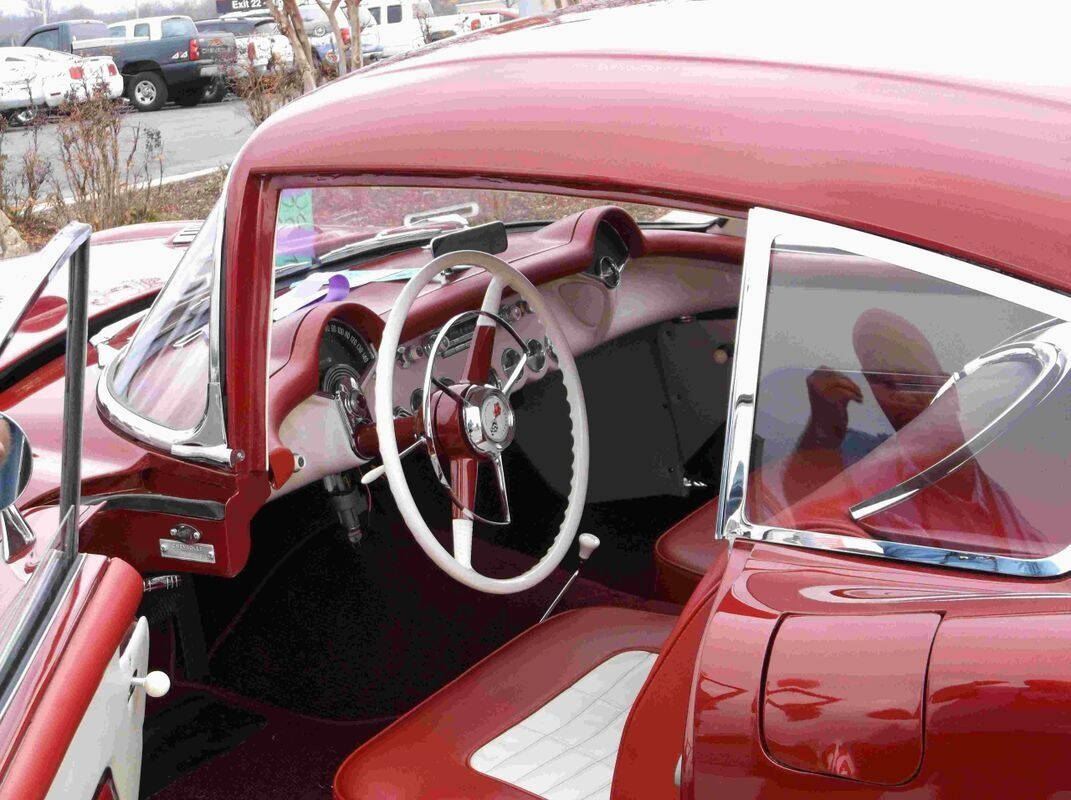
(342, 346)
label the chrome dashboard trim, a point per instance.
(764, 226)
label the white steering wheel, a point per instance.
(472, 423)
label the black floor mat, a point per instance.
(188, 733)
(352, 634)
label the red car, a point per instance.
(791, 338)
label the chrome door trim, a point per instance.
(764, 226)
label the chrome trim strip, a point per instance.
(57, 584)
(1050, 567)
(763, 227)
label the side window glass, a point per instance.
(375, 12)
(141, 30)
(46, 39)
(394, 14)
(904, 406)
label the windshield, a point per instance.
(314, 223)
(164, 373)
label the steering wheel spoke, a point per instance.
(448, 388)
(500, 482)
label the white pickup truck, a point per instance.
(405, 25)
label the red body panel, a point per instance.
(843, 694)
(991, 672)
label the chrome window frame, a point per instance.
(205, 442)
(51, 582)
(764, 226)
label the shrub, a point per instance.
(25, 179)
(265, 94)
(113, 171)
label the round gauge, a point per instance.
(537, 357)
(342, 345)
(510, 357)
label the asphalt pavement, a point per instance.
(195, 139)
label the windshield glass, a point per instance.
(164, 374)
(314, 223)
(872, 375)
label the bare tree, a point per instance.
(329, 8)
(42, 8)
(353, 14)
(285, 15)
(420, 11)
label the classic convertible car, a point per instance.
(786, 341)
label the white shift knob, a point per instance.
(156, 683)
(588, 543)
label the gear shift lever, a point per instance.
(588, 543)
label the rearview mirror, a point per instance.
(16, 462)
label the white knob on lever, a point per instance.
(588, 543)
(156, 683)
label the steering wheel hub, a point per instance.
(488, 419)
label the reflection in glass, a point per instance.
(855, 353)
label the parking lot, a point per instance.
(194, 139)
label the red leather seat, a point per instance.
(426, 753)
(684, 553)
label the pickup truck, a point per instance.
(177, 64)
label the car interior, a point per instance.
(340, 623)
(382, 584)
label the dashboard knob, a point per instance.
(403, 357)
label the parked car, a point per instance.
(321, 38)
(32, 78)
(408, 24)
(254, 53)
(160, 58)
(824, 457)
(282, 50)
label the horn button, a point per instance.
(487, 419)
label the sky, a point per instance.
(18, 7)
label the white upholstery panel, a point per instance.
(566, 750)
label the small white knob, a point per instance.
(588, 543)
(373, 474)
(156, 683)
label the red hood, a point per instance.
(128, 264)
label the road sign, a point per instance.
(230, 6)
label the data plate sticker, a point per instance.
(202, 553)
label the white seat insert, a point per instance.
(567, 749)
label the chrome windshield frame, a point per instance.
(764, 227)
(205, 442)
